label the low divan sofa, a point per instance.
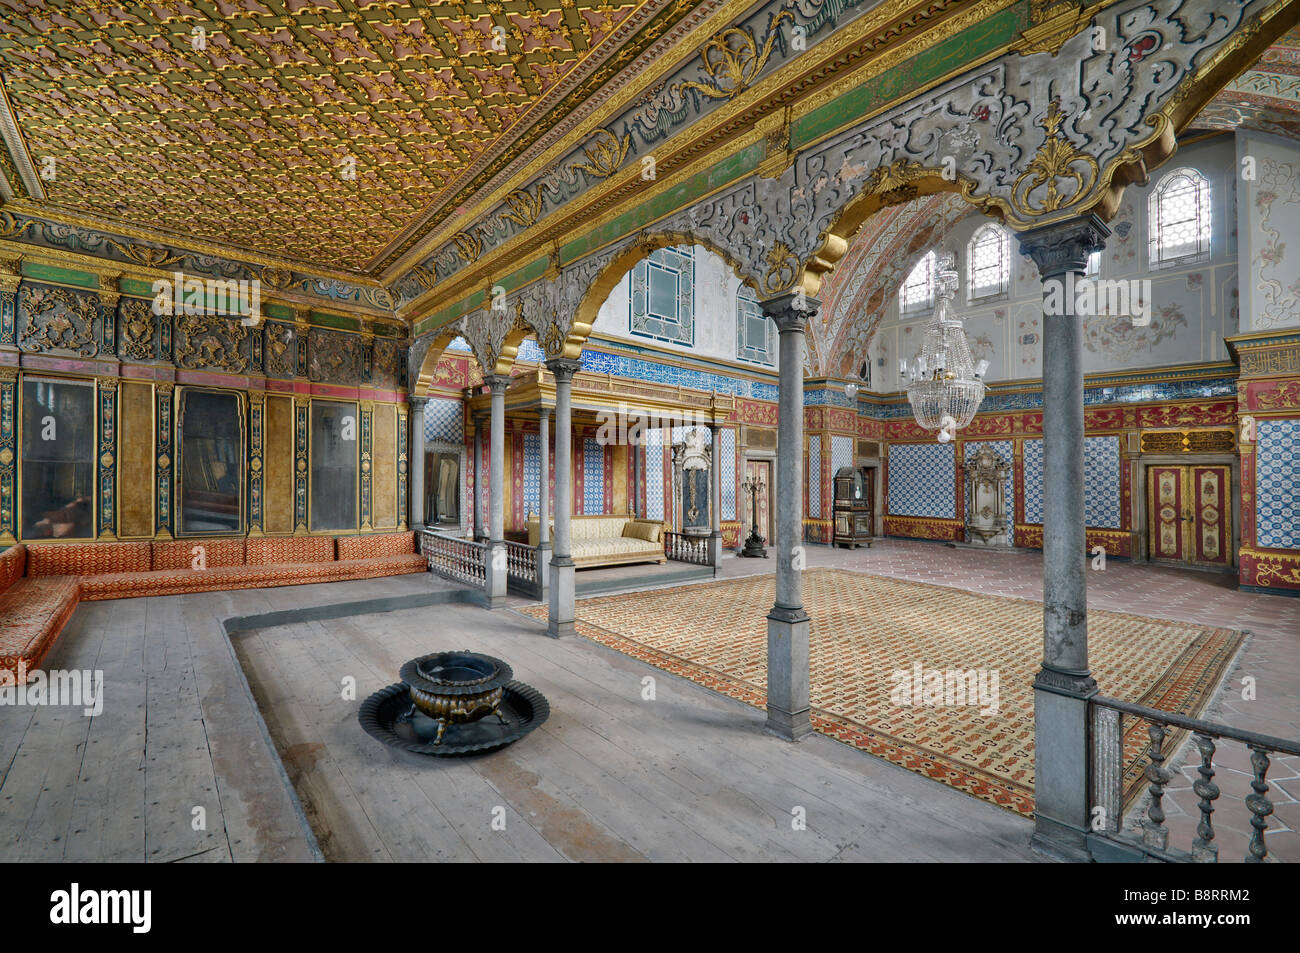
(41, 584)
(608, 540)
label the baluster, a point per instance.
(1154, 833)
(1204, 851)
(1259, 804)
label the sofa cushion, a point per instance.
(32, 613)
(398, 565)
(87, 559)
(376, 544)
(649, 532)
(616, 546)
(13, 563)
(179, 553)
(274, 550)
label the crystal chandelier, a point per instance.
(944, 384)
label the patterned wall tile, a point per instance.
(654, 474)
(1101, 489)
(593, 477)
(1277, 484)
(532, 474)
(922, 480)
(1005, 450)
(728, 473)
(444, 420)
(813, 478)
(841, 453)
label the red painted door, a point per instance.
(1211, 524)
(1165, 514)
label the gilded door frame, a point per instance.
(767, 458)
(1142, 551)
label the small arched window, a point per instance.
(1178, 217)
(988, 262)
(917, 293)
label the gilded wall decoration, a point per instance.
(137, 324)
(386, 365)
(58, 319)
(212, 342)
(281, 350)
(335, 357)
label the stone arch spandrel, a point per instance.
(423, 357)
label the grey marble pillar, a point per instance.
(559, 620)
(544, 498)
(496, 551)
(787, 623)
(715, 502)
(417, 514)
(480, 526)
(1064, 683)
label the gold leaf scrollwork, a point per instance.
(605, 154)
(1057, 160)
(10, 227)
(782, 268)
(468, 246)
(146, 255)
(58, 319)
(210, 342)
(137, 330)
(525, 207)
(733, 59)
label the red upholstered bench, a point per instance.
(32, 613)
(34, 608)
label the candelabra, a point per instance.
(754, 542)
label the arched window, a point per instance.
(917, 293)
(988, 262)
(1178, 217)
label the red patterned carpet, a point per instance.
(870, 634)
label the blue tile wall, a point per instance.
(814, 478)
(593, 477)
(444, 420)
(1277, 484)
(654, 474)
(922, 480)
(728, 473)
(1101, 486)
(841, 453)
(532, 473)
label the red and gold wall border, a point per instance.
(1270, 569)
(924, 527)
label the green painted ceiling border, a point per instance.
(61, 276)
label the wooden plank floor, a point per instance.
(688, 776)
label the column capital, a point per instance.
(563, 368)
(416, 402)
(1064, 246)
(497, 383)
(791, 312)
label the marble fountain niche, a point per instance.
(692, 473)
(987, 523)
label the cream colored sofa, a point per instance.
(600, 540)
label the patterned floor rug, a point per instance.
(884, 651)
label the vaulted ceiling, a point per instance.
(1266, 97)
(321, 132)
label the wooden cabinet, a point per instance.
(853, 514)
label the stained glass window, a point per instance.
(1178, 215)
(988, 262)
(754, 332)
(917, 293)
(663, 296)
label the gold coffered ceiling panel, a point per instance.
(319, 132)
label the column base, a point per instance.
(715, 549)
(1061, 767)
(787, 674)
(495, 575)
(543, 566)
(1059, 842)
(560, 618)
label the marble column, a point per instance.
(479, 531)
(496, 550)
(418, 515)
(1064, 683)
(787, 623)
(544, 498)
(560, 618)
(715, 500)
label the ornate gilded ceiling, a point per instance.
(318, 132)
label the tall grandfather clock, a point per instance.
(852, 508)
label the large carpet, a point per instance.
(865, 629)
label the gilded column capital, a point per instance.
(107, 383)
(11, 274)
(497, 383)
(563, 368)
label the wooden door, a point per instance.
(1211, 522)
(1165, 512)
(1189, 514)
(762, 471)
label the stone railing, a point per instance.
(455, 558)
(1151, 841)
(687, 549)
